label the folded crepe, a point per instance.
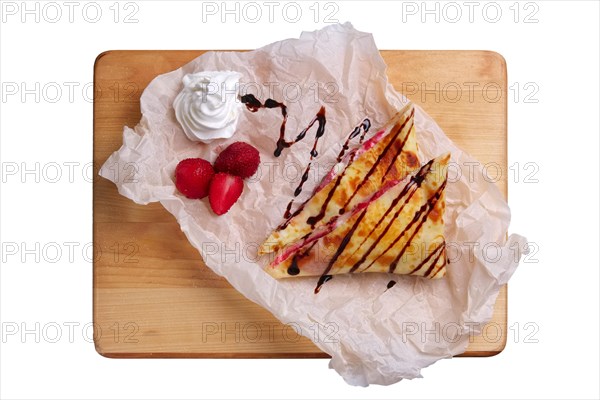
(400, 230)
(387, 157)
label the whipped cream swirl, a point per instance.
(208, 107)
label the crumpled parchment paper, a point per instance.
(373, 335)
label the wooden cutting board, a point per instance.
(153, 295)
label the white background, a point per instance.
(559, 133)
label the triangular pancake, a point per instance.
(401, 232)
(392, 158)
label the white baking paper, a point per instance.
(374, 335)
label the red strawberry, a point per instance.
(192, 177)
(224, 191)
(239, 158)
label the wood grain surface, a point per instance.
(153, 295)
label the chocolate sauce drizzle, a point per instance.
(364, 126)
(288, 215)
(439, 251)
(313, 220)
(293, 269)
(320, 117)
(446, 262)
(322, 280)
(420, 216)
(339, 251)
(415, 182)
(398, 152)
(424, 211)
(253, 105)
(380, 157)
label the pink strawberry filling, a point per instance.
(353, 153)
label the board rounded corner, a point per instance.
(100, 56)
(100, 350)
(498, 57)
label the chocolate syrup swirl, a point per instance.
(253, 105)
(320, 118)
